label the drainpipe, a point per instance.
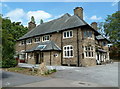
(78, 48)
(50, 57)
(61, 49)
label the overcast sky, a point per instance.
(22, 11)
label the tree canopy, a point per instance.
(112, 30)
(41, 21)
(11, 31)
(112, 27)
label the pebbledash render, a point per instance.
(68, 40)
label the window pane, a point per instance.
(89, 54)
(85, 47)
(92, 54)
(64, 48)
(65, 53)
(64, 34)
(88, 48)
(43, 38)
(67, 48)
(86, 54)
(67, 34)
(68, 54)
(71, 33)
(71, 47)
(91, 47)
(71, 53)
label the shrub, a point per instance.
(9, 63)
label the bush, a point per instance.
(7, 63)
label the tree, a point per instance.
(41, 21)
(11, 31)
(32, 19)
(112, 30)
(112, 27)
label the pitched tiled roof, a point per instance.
(100, 37)
(64, 22)
(45, 46)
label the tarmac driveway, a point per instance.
(10, 79)
(106, 75)
(102, 75)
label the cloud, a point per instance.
(115, 2)
(19, 15)
(38, 15)
(94, 17)
(16, 15)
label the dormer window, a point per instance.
(29, 41)
(46, 38)
(37, 39)
(67, 34)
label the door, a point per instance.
(41, 57)
(37, 58)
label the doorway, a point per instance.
(37, 58)
(41, 57)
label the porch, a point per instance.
(101, 56)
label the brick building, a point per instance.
(68, 40)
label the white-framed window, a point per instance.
(88, 51)
(68, 51)
(46, 38)
(68, 34)
(22, 42)
(37, 39)
(29, 41)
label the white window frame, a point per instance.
(27, 41)
(87, 51)
(66, 34)
(65, 51)
(37, 38)
(45, 39)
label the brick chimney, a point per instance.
(79, 12)
(94, 25)
(31, 24)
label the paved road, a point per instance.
(14, 79)
(102, 75)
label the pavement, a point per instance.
(106, 75)
(95, 76)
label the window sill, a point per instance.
(37, 42)
(67, 57)
(29, 43)
(67, 37)
(45, 40)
